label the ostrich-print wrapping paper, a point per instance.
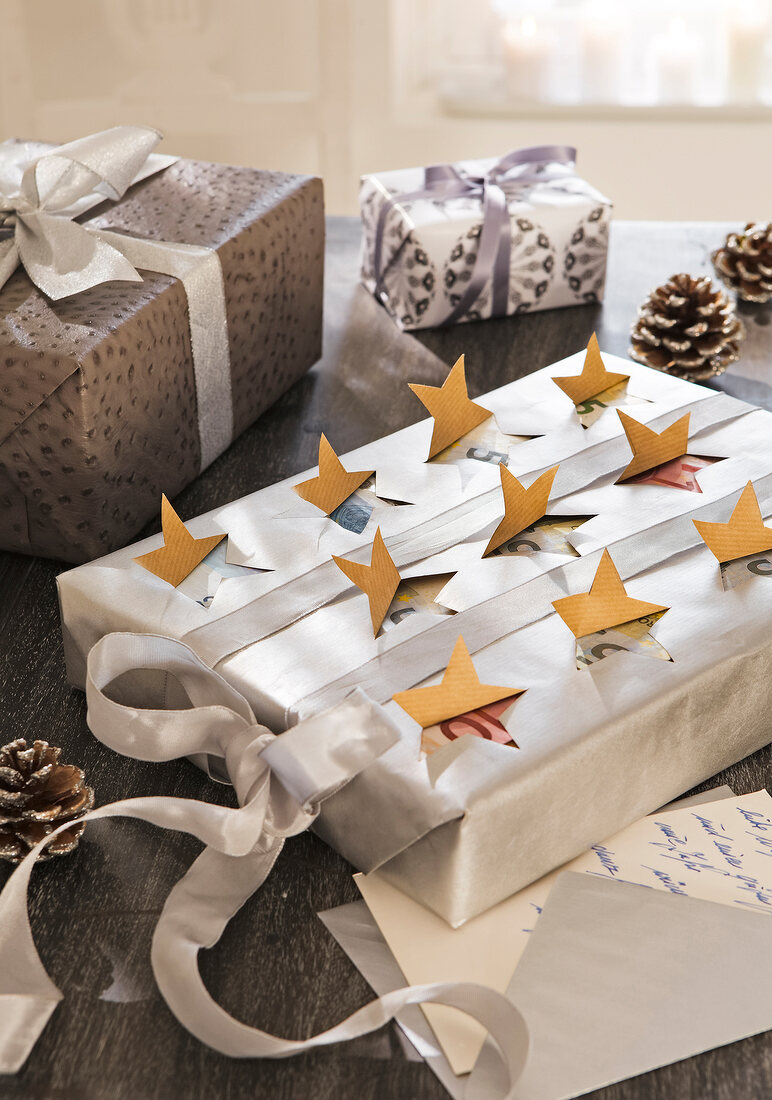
(559, 227)
(92, 383)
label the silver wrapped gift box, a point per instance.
(483, 238)
(597, 748)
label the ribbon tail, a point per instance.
(9, 260)
(492, 260)
(195, 916)
(200, 272)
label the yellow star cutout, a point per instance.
(334, 483)
(454, 414)
(522, 507)
(459, 692)
(594, 378)
(652, 448)
(378, 580)
(605, 605)
(181, 553)
(744, 534)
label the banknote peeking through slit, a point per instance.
(549, 534)
(631, 637)
(680, 473)
(614, 397)
(203, 582)
(414, 596)
(740, 570)
(483, 722)
(355, 511)
(485, 443)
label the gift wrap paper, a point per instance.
(99, 412)
(597, 748)
(559, 240)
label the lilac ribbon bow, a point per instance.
(446, 181)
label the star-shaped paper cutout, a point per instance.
(594, 378)
(379, 580)
(652, 448)
(454, 414)
(334, 483)
(459, 692)
(744, 534)
(522, 507)
(181, 553)
(605, 605)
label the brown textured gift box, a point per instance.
(98, 411)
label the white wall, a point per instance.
(337, 87)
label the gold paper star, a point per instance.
(459, 692)
(594, 378)
(744, 534)
(181, 553)
(605, 605)
(334, 483)
(522, 507)
(378, 580)
(652, 448)
(454, 414)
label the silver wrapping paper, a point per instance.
(476, 821)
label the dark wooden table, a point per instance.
(276, 967)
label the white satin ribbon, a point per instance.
(39, 197)
(279, 783)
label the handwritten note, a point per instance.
(718, 851)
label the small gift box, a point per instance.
(116, 386)
(484, 238)
(595, 653)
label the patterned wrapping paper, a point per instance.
(476, 820)
(98, 410)
(559, 242)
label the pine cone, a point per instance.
(745, 262)
(37, 794)
(687, 328)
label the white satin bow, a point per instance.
(279, 783)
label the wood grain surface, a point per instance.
(276, 966)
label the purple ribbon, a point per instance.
(446, 181)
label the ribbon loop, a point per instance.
(279, 782)
(448, 181)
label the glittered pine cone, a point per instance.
(745, 262)
(687, 327)
(37, 794)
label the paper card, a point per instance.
(742, 535)
(605, 605)
(454, 413)
(632, 637)
(180, 553)
(460, 691)
(617, 980)
(718, 851)
(417, 596)
(594, 378)
(522, 507)
(486, 722)
(203, 583)
(651, 448)
(333, 484)
(379, 580)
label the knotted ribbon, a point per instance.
(279, 782)
(39, 198)
(448, 181)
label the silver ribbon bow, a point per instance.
(280, 782)
(40, 195)
(447, 181)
